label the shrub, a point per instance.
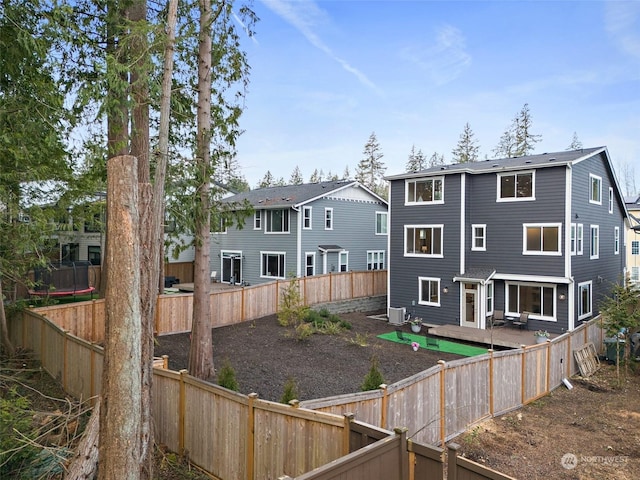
(227, 376)
(360, 340)
(15, 427)
(291, 308)
(374, 378)
(290, 391)
(304, 331)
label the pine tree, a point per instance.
(416, 161)
(518, 140)
(296, 177)
(315, 177)
(466, 151)
(346, 175)
(267, 181)
(370, 170)
(576, 144)
(436, 159)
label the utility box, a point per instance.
(396, 315)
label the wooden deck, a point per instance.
(504, 336)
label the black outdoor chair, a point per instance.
(523, 321)
(432, 342)
(497, 319)
(401, 337)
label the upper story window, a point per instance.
(218, 223)
(424, 240)
(541, 239)
(328, 218)
(516, 186)
(635, 247)
(579, 239)
(381, 223)
(306, 218)
(257, 220)
(610, 200)
(479, 240)
(429, 190)
(594, 251)
(277, 221)
(572, 240)
(616, 240)
(595, 189)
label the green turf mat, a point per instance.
(443, 345)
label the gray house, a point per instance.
(541, 234)
(303, 230)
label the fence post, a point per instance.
(251, 435)
(452, 461)
(65, 339)
(182, 404)
(346, 433)
(443, 411)
(569, 357)
(491, 409)
(522, 374)
(165, 362)
(548, 365)
(385, 405)
(404, 455)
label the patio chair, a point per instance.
(523, 321)
(497, 319)
(401, 337)
(432, 342)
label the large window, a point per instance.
(584, 300)
(328, 218)
(635, 247)
(516, 186)
(277, 221)
(538, 300)
(594, 247)
(306, 218)
(595, 189)
(479, 240)
(430, 190)
(343, 261)
(429, 291)
(542, 239)
(381, 223)
(273, 265)
(424, 240)
(375, 260)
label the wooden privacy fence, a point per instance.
(440, 403)
(228, 307)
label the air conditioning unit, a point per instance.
(396, 315)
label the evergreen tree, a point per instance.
(296, 177)
(575, 144)
(370, 169)
(416, 161)
(436, 159)
(467, 150)
(267, 181)
(518, 140)
(315, 177)
(346, 175)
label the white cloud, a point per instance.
(622, 21)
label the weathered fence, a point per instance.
(174, 312)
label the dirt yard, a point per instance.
(591, 432)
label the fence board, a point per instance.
(507, 381)
(166, 403)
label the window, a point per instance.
(573, 239)
(328, 218)
(429, 291)
(594, 248)
(94, 223)
(616, 240)
(479, 233)
(310, 264)
(543, 239)
(534, 298)
(273, 265)
(516, 186)
(257, 220)
(595, 189)
(610, 200)
(429, 190)
(584, 300)
(277, 221)
(218, 223)
(70, 252)
(306, 218)
(381, 223)
(489, 297)
(579, 240)
(424, 240)
(375, 260)
(635, 274)
(93, 254)
(343, 262)
(635, 247)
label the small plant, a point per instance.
(330, 328)
(416, 321)
(227, 376)
(292, 310)
(541, 333)
(290, 391)
(374, 378)
(360, 340)
(304, 331)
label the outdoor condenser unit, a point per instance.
(396, 315)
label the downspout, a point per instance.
(568, 272)
(298, 240)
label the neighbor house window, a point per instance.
(375, 260)
(381, 223)
(257, 217)
(479, 240)
(94, 223)
(536, 299)
(70, 252)
(277, 221)
(595, 189)
(430, 190)
(310, 264)
(306, 218)
(572, 241)
(594, 248)
(489, 288)
(579, 239)
(516, 186)
(616, 240)
(635, 247)
(610, 200)
(94, 255)
(429, 291)
(328, 218)
(423, 240)
(217, 223)
(273, 265)
(635, 274)
(343, 261)
(542, 239)
(584, 300)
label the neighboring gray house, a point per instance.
(541, 234)
(303, 230)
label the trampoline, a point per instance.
(63, 279)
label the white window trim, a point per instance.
(377, 257)
(440, 255)
(429, 279)
(610, 199)
(306, 209)
(268, 252)
(616, 240)
(257, 220)
(306, 256)
(343, 254)
(591, 178)
(490, 290)
(594, 247)
(266, 222)
(516, 199)
(580, 239)
(386, 223)
(534, 316)
(589, 313)
(328, 216)
(414, 180)
(541, 225)
(573, 239)
(483, 226)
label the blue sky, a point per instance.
(326, 74)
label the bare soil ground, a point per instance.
(591, 432)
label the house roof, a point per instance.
(297, 195)
(483, 274)
(502, 164)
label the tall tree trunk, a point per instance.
(121, 383)
(7, 346)
(201, 352)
